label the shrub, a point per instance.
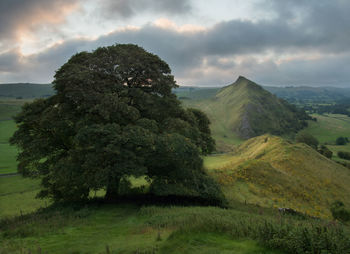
(307, 138)
(325, 152)
(344, 155)
(340, 141)
(339, 212)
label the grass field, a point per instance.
(126, 229)
(329, 127)
(17, 195)
(123, 228)
(8, 108)
(8, 153)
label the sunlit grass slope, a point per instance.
(272, 172)
(243, 110)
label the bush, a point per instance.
(340, 141)
(344, 155)
(339, 212)
(325, 152)
(307, 138)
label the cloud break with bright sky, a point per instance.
(206, 43)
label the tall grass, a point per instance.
(279, 232)
(156, 229)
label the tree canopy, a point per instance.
(340, 141)
(114, 116)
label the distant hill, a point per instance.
(26, 90)
(247, 110)
(195, 93)
(304, 94)
(270, 171)
(293, 94)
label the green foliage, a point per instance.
(113, 116)
(325, 151)
(339, 212)
(344, 155)
(184, 175)
(340, 141)
(307, 138)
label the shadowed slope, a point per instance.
(244, 110)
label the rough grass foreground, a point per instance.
(98, 228)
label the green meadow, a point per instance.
(251, 176)
(17, 196)
(8, 108)
(97, 227)
(329, 127)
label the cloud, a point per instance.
(18, 19)
(10, 61)
(299, 44)
(117, 9)
(328, 22)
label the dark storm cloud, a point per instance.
(328, 22)
(17, 16)
(298, 27)
(9, 61)
(127, 8)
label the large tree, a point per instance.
(114, 116)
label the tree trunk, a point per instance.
(112, 189)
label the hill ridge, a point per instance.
(245, 109)
(270, 171)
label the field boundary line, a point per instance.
(9, 174)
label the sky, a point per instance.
(205, 43)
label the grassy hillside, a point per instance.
(297, 94)
(244, 109)
(328, 128)
(17, 195)
(272, 172)
(26, 90)
(8, 108)
(98, 227)
(195, 93)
